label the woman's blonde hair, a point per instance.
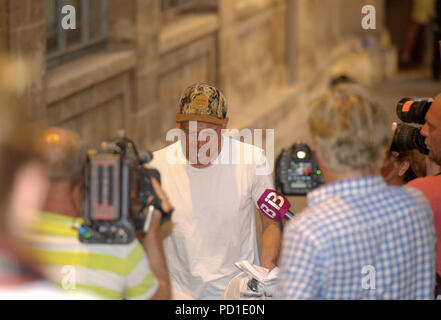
(17, 133)
(350, 129)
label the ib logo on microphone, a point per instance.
(273, 204)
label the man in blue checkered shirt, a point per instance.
(358, 238)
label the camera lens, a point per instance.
(300, 151)
(413, 110)
(301, 154)
(408, 138)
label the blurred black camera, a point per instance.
(297, 170)
(118, 198)
(411, 110)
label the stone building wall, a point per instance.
(328, 30)
(256, 51)
(3, 25)
(188, 54)
(25, 37)
(266, 56)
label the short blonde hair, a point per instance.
(64, 153)
(350, 129)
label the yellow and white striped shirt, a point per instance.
(109, 271)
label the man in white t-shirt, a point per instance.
(214, 182)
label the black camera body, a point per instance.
(107, 199)
(297, 170)
(116, 190)
(406, 137)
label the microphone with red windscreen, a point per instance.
(275, 205)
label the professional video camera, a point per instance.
(297, 171)
(411, 110)
(119, 198)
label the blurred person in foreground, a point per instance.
(23, 186)
(358, 238)
(430, 186)
(111, 271)
(422, 12)
(215, 194)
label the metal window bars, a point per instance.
(91, 28)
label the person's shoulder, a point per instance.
(132, 250)
(161, 156)
(425, 182)
(243, 153)
(415, 193)
(402, 195)
(412, 201)
(237, 144)
(313, 221)
(163, 151)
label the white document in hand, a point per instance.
(261, 274)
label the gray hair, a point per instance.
(350, 129)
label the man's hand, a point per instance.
(389, 157)
(270, 265)
(394, 127)
(271, 242)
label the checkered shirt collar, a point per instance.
(347, 187)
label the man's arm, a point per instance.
(152, 244)
(271, 230)
(271, 242)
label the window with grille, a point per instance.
(90, 33)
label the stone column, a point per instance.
(291, 13)
(279, 41)
(146, 126)
(122, 24)
(227, 47)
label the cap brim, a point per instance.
(199, 117)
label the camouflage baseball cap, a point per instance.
(202, 102)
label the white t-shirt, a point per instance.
(213, 221)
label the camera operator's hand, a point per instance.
(165, 203)
(166, 206)
(394, 127)
(389, 157)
